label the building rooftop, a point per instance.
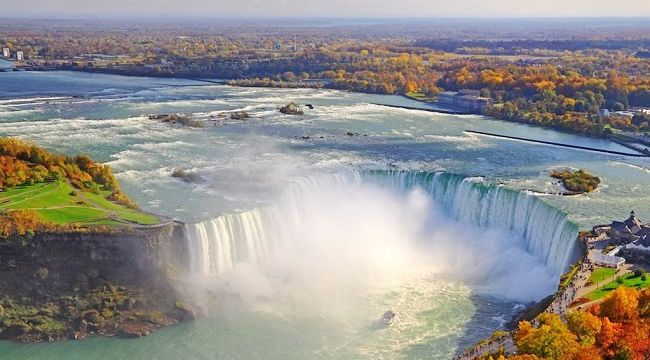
(632, 225)
(600, 258)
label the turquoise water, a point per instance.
(248, 165)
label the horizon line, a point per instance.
(310, 17)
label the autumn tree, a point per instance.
(550, 340)
(621, 305)
(586, 326)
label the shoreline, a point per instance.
(226, 82)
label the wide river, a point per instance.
(360, 247)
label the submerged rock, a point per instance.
(180, 119)
(185, 312)
(240, 115)
(187, 176)
(291, 109)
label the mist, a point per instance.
(329, 242)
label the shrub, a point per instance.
(19, 222)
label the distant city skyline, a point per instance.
(325, 8)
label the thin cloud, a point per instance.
(329, 8)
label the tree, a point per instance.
(551, 340)
(607, 337)
(410, 86)
(587, 353)
(644, 303)
(621, 305)
(585, 325)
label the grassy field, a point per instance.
(629, 280)
(601, 274)
(416, 95)
(59, 203)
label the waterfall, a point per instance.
(218, 244)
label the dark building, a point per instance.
(465, 99)
(628, 230)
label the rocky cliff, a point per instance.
(113, 281)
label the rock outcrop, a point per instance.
(112, 282)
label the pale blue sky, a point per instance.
(327, 8)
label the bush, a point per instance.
(19, 222)
(638, 272)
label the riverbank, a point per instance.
(309, 84)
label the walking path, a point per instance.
(584, 290)
(560, 304)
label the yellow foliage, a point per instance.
(621, 305)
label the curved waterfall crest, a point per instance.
(216, 245)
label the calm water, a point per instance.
(247, 164)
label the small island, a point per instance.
(79, 257)
(577, 182)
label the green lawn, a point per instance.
(601, 274)
(629, 280)
(416, 95)
(59, 203)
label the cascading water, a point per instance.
(218, 245)
(547, 232)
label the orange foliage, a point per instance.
(617, 329)
(23, 163)
(621, 305)
(18, 222)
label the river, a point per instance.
(320, 223)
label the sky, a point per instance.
(325, 8)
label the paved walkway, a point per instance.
(560, 304)
(576, 289)
(584, 290)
